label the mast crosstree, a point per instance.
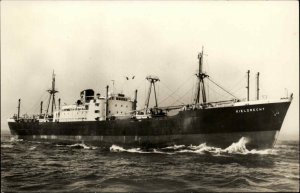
(200, 84)
(52, 92)
(152, 80)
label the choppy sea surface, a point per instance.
(49, 167)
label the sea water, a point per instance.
(35, 166)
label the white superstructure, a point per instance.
(90, 108)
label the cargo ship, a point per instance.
(113, 118)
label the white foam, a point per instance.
(82, 145)
(6, 146)
(174, 147)
(239, 147)
(116, 148)
(32, 148)
(161, 152)
(14, 139)
(200, 149)
(57, 145)
(263, 152)
(235, 148)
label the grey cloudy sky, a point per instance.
(90, 43)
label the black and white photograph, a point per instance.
(149, 96)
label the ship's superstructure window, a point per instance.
(97, 111)
(97, 104)
(120, 106)
(121, 99)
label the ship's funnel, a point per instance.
(87, 95)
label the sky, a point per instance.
(91, 44)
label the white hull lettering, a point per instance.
(250, 110)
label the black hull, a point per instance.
(218, 127)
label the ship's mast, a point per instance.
(200, 84)
(19, 104)
(106, 103)
(248, 76)
(52, 92)
(257, 86)
(59, 104)
(41, 111)
(152, 80)
(135, 100)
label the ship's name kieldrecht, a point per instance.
(249, 110)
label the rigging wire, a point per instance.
(207, 88)
(223, 96)
(34, 107)
(238, 89)
(22, 107)
(173, 92)
(221, 87)
(167, 98)
(237, 84)
(182, 97)
(193, 91)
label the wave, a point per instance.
(240, 148)
(58, 145)
(81, 146)
(116, 148)
(174, 147)
(32, 148)
(14, 139)
(6, 146)
(235, 148)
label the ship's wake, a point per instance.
(235, 148)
